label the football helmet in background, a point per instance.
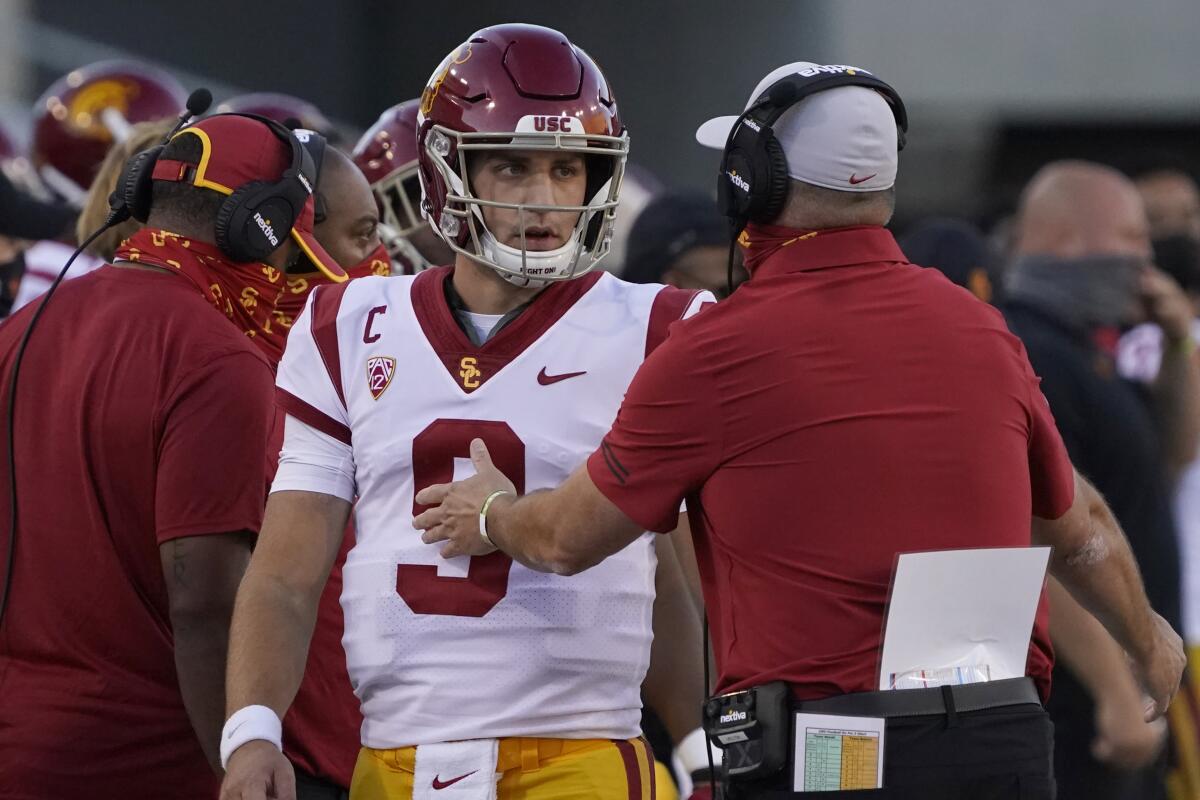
(285, 109)
(79, 117)
(387, 156)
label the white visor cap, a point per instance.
(843, 138)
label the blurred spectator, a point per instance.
(680, 239)
(957, 249)
(1080, 272)
(23, 218)
(95, 211)
(1172, 202)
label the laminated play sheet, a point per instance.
(836, 753)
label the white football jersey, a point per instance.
(477, 647)
(43, 261)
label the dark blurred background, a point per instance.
(994, 90)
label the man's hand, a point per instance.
(455, 515)
(258, 771)
(1123, 739)
(1166, 304)
(1161, 669)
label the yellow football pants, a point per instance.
(532, 769)
(1183, 779)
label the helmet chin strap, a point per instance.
(510, 258)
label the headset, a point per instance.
(238, 233)
(752, 181)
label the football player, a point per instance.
(79, 117)
(76, 122)
(286, 109)
(475, 673)
(387, 156)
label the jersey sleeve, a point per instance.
(312, 461)
(1051, 473)
(213, 463)
(670, 305)
(666, 440)
(309, 382)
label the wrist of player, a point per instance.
(491, 505)
(249, 724)
(692, 756)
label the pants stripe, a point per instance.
(650, 767)
(633, 775)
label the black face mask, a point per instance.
(1179, 257)
(1088, 292)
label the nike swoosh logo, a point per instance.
(855, 181)
(440, 784)
(546, 380)
(236, 728)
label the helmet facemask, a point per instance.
(399, 216)
(461, 221)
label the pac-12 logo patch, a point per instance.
(380, 370)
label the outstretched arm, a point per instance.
(563, 530)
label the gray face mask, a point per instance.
(1088, 292)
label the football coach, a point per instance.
(843, 406)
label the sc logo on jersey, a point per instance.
(469, 372)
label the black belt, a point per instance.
(310, 787)
(920, 702)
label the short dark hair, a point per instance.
(181, 203)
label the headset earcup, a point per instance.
(253, 222)
(135, 186)
(224, 223)
(736, 201)
(775, 182)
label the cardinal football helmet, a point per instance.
(79, 117)
(519, 87)
(387, 156)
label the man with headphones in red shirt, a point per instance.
(142, 426)
(843, 406)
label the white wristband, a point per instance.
(246, 725)
(691, 752)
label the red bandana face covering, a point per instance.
(760, 242)
(260, 299)
(295, 293)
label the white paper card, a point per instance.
(970, 609)
(836, 753)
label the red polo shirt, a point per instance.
(842, 407)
